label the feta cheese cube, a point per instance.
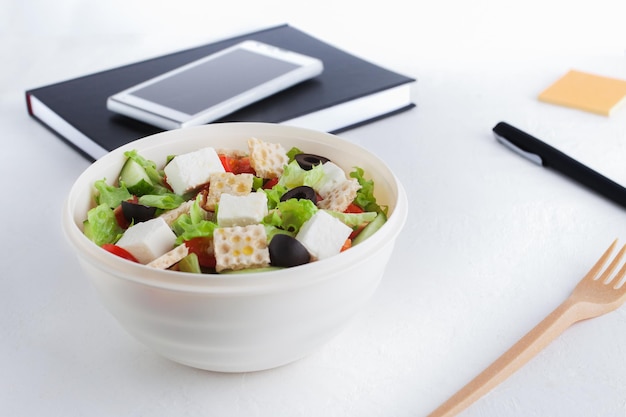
(333, 175)
(188, 171)
(148, 240)
(241, 210)
(323, 235)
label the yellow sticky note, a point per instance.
(589, 92)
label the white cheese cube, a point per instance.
(333, 175)
(188, 171)
(241, 210)
(323, 235)
(148, 240)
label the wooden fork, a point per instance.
(594, 295)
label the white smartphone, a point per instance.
(215, 86)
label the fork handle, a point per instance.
(521, 352)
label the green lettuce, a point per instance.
(274, 194)
(101, 225)
(291, 153)
(271, 231)
(294, 176)
(110, 195)
(165, 201)
(365, 196)
(354, 220)
(290, 215)
(149, 166)
(193, 224)
(257, 182)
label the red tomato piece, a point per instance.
(356, 232)
(121, 219)
(270, 183)
(353, 208)
(203, 248)
(119, 251)
(226, 162)
(237, 165)
(244, 167)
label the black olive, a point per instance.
(287, 251)
(308, 160)
(302, 192)
(137, 213)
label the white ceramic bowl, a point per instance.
(239, 322)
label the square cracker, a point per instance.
(241, 247)
(267, 159)
(227, 183)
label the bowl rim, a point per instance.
(247, 282)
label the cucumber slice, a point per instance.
(136, 178)
(370, 229)
(190, 264)
(87, 229)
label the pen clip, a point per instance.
(530, 156)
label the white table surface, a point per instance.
(492, 245)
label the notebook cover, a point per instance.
(81, 102)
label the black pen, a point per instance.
(545, 155)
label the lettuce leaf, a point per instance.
(257, 182)
(110, 195)
(147, 165)
(271, 231)
(290, 215)
(294, 176)
(291, 153)
(193, 224)
(274, 194)
(354, 220)
(101, 225)
(365, 196)
(165, 201)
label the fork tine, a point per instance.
(593, 272)
(619, 277)
(606, 277)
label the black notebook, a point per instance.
(350, 92)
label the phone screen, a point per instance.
(214, 81)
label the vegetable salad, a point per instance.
(221, 211)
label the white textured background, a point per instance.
(493, 244)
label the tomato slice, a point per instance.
(353, 208)
(119, 251)
(270, 183)
(237, 165)
(356, 231)
(244, 167)
(203, 248)
(226, 162)
(120, 218)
